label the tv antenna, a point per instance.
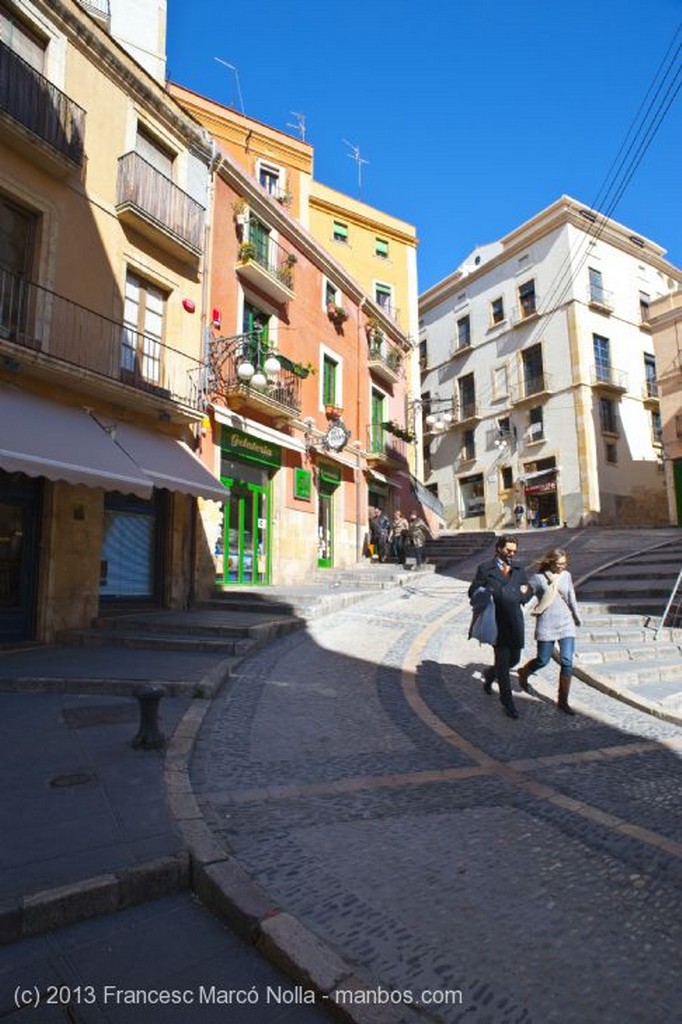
(299, 125)
(236, 79)
(355, 155)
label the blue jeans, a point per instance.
(544, 653)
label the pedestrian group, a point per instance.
(498, 593)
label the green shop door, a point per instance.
(246, 533)
(329, 480)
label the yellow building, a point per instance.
(104, 189)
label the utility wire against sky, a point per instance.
(620, 173)
(236, 79)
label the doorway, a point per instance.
(18, 532)
(325, 525)
(245, 541)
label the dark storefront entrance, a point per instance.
(19, 506)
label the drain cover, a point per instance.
(75, 779)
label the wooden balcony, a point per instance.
(37, 118)
(152, 205)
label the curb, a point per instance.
(225, 888)
(68, 904)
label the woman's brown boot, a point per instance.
(523, 674)
(564, 687)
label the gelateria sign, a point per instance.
(245, 446)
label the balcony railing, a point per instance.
(279, 396)
(40, 107)
(267, 264)
(526, 310)
(600, 297)
(383, 446)
(466, 411)
(99, 9)
(532, 385)
(650, 392)
(384, 358)
(154, 201)
(609, 377)
(34, 318)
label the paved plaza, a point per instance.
(510, 871)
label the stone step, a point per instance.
(656, 572)
(596, 654)
(226, 630)
(629, 673)
(239, 601)
(156, 641)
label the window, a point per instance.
(378, 434)
(644, 303)
(383, 294)
(608, 416)
(507, 478)
(381, 248)
(339, 231)
(270, 179)
(497, 311)
(678, 425)
(160, 158)
(656, 427)
(467, 396)
(597, 293)
(464, 332)
(256, 321)
(469, 445)
(330, 374)
(17, 233)
(650, 385)
(331, 295)
(500, 382)
(22, 40)
(533, 370)
(611, 451)
(423, 354)
(143, 316)
(536, 427)
(527, 299)
(602, 357)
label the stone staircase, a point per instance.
(450, 547)
(620, 641)
(225, 633)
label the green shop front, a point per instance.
(328, 481)
(243, 546)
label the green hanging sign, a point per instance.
(253, 449)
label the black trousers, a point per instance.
(505, 659)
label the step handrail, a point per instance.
(671, 599)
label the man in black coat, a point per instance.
(510, 588)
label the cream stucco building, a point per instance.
(665, 320)
(539, 376)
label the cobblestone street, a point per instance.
(521, 871)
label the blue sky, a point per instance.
(473, 115)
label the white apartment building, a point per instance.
(539, 377)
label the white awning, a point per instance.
(380, 478)
(168, 463)
(40, 437)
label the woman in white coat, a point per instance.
(556, 618)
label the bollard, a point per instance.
(149, 736)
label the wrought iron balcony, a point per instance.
(384, 447)
(650, 394)
(525, 311)
(99, 9)
(150, 203)
(532, 386)
(600, 298)
(466, 412)
(267, 265)
(383, 358)
(35, 112)
(54, 334)
(277, 395)
(608, 378)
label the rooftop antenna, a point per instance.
(299, 125)
(355, 155)
(236, 79)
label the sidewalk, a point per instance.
(91, 825)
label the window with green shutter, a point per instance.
(329, 373)
(339, 231)
(381, 248)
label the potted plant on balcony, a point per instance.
(336, 313)
(333, 412)
(240, 210)
(247, 251)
